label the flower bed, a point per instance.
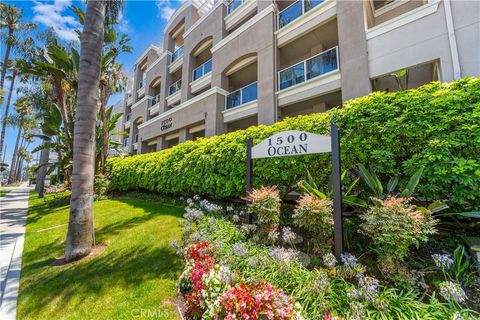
(231, 274)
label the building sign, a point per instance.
(166, 124)
(292, 143)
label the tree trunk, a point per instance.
(42, 172)
(80, 227)
(7, 107)
(5, 60)
(18, 174)
(11, 176)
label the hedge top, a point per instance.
(436, 126)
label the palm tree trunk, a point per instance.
(80, 227)
(7, 107)
(5, 59)
(11, 176)
(42, 172)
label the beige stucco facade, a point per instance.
(225, 66)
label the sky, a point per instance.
(142, 21)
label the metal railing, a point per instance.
(154, 100)
(234, 4)
(175, 87)
(310, 68)
(177, 54)
(202, 70)
(241, 96)
(295, 10)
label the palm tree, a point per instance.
(10, 21)
(80, 227)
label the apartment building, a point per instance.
(226, 66)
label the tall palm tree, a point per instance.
(80, 227)
(10, 22)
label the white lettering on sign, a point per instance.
(291, 143)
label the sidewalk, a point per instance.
(13, 216)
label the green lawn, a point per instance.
(3, 192)
(137, 271)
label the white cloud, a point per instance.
(123, 25)
(166, 8)
(52, 15)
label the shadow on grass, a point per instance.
(121, 268)
(103, 274)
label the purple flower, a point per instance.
(442, 261)
(452, 291)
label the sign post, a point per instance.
(295, 142)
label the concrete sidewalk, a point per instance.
(13, 216)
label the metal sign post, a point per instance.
(294, 142)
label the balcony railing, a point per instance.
(241, 96)
(234, 4)
(177, 54)
(141, 83)
(202, 70)
(175, 87)
(295, 10)
(308, 69)
(154, 100)
(127, 117)
(125, 142)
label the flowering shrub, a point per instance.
(256, 301)
(265, 205)
(394, 225)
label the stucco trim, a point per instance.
(163, 55)
(173, 98)
(139, 102)
(201, 83)
(141, 91)
(403, 19)
(259, 16)
(240, 112)
(174, 66)
(177, 12)
(127, 124)
(214, 90)
(145, 52)
(236, 16)
(291, 92)
(154, 109)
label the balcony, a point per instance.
(296, 10)
(318, 65)
(127, 120)
(234, 4)
(154, 107)
(174, 92)
(129, 99)
(238, 11)
(202, 70)
(310, 78)
(177, 54)
(241, 96)
(141, 88)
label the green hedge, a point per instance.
(436, 126)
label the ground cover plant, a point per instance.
(435, 127)
(227, 260)
(136, 271)
(4, 192)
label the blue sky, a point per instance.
(143, 21)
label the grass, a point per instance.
(3, 192)
(136, 274)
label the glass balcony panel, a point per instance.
(292, 76)
(175, 87)
(177, 54)
(141, 83)
(310, 4)
(127, 118)
(202, 70)
(289, 14)
(207, 67)
(155, 99)
(198, 73)
(321, 64)
(234, 5)
(249, 93)
(233, 100)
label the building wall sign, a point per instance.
(291, 143)
(166, 124)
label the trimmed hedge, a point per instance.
(436, 126)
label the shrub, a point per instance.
(53, 179)
(434, 126)
(315, 215)
(265, 205)
(394, 225)
(100, 185)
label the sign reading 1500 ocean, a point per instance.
(293, 143)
